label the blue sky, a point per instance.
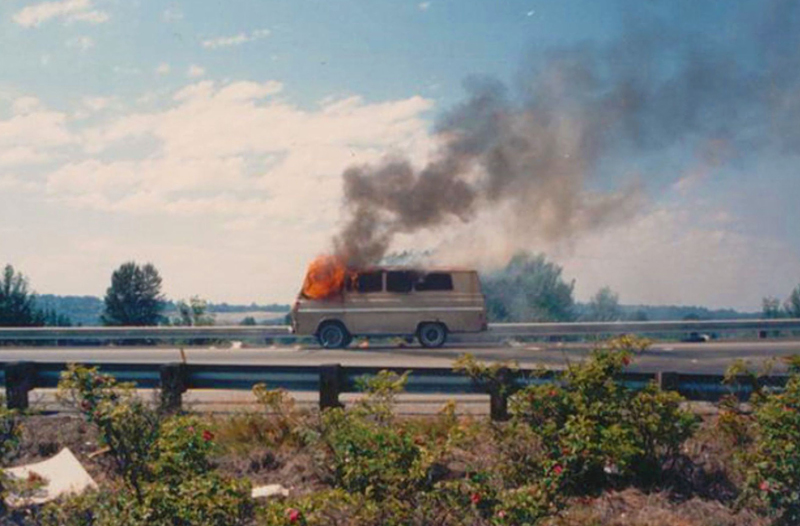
(209, 138)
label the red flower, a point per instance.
(553, 392)
(626, 360)
(208, 435)
(293, 515)
(475, 498)
(764, 486)
(558, 469)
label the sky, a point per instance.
(209, 138)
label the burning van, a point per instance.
(337, 304)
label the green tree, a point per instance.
(792, 305)
(529, 288)
(17, 305)
(771, 308)
(249, 321)
(604, 306)
(639, 315)
(134, 297)
(193, 313)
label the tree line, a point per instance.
(134, 298)
(528, 288)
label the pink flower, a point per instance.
(501, 514)
(558, 469)
(475, 498)
(208, 435)
(293, 515)
(764, 486)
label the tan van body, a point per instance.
(397, 302)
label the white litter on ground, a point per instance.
(270, 490)
(60, 475)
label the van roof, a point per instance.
(375, 268)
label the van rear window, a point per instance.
(370, 282)
(435, 281)
(399, 281)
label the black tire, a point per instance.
(333, 335)
(432, 335)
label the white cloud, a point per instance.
(97, 103)
(20, 155)
(91, 17)
(68, 10)
(26, 104)
(163, 68)
(172, 14)
(424, 6)
(195, 71)
(126, 70)
(235, 40)
(34, 126)
(83, 43)
(238, 152)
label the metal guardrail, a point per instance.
(496, 330)
(330, 380)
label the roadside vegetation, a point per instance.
(583, 449)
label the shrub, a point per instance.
(9, 441)
(127, 426)
(597, 431)
(364, 452)
(166, 474)
(287, 422)
(770, 452)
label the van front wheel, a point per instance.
(432, 334)
(333, 335)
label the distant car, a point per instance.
(696, 337)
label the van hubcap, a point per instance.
(431, 335)
(331, 336)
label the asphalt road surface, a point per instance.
(707, 357)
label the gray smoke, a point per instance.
(580, 110)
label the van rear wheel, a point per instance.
(432, 334)
(333, 335)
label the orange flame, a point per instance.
(325, 277)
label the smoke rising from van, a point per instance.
(548, 152)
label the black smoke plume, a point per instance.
(655, 90)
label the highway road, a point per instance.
(708, 357)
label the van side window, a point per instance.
(370, 282)
(435, 281)
(399, 281)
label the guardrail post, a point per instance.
(498, 395)
(330, 376)
(668, 381)
(20, 379)
(173, 385)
